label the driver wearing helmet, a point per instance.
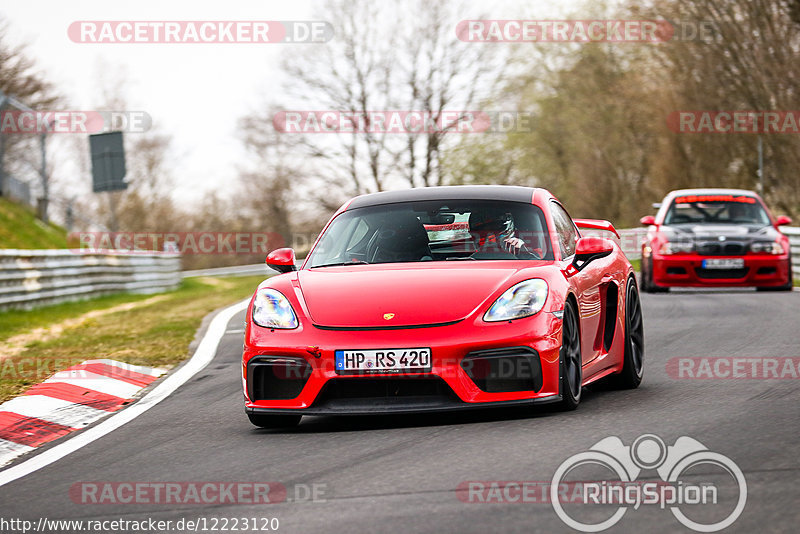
(494, 231)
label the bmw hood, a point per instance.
(397, 295)
(733, 232)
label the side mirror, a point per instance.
(282, 260)
(647, 220)
(588, 249)
(783, 220)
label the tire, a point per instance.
(643, 276)
(633, 361)
(570, 372)
(274, 421)
(648, 286)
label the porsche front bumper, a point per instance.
(473, 365)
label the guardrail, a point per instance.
(794, 240)
(631, 244)
(32, 278)
(630, 241)
(235, 270)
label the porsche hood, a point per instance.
(402, 295)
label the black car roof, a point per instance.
(510, 193)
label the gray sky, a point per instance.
(194, 92)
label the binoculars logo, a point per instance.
(647, 452)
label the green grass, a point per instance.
(15, 322)
(156, 334)
(19, 228)
(637, 265)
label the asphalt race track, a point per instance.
(400, 474)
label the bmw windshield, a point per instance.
(716, 209)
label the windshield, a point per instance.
(716, 209)
(434, 231)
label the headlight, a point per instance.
(767, 247)
(521, 300)
(677, 247)
(272, 310)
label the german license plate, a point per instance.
(723, 263)
(383, 360)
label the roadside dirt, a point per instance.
(16, 344)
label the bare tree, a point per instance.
(749, 62)
(270, 179)
(418, 66)
(441, 73)
(353, 73)
(23, 154)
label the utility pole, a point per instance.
(44, 202)
(3, 100)
(760, 165)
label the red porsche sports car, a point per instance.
(715, 237)
(442, 298)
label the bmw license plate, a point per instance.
(724, 263)
(383, 360)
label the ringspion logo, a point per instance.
(672, 464)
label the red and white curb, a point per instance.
(68, 401)
(203, 355)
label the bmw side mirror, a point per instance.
(588, 249)
(647, 220)
(282, 260)
(783, 220)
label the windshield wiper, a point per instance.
(338, 264)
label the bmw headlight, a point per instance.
(677, 247)
(767, 247)
(521, 300)
(272, 310)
